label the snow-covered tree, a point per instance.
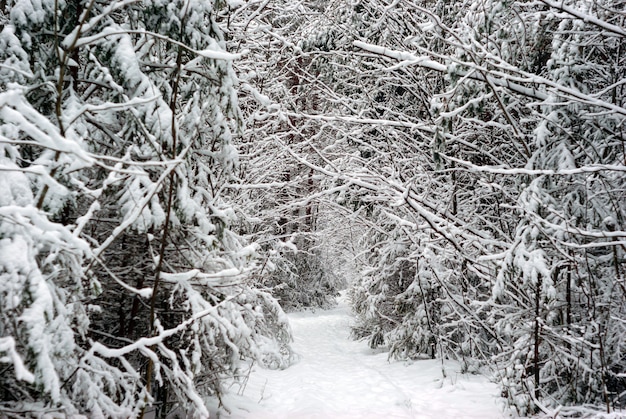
(527, 121)
(124, 284)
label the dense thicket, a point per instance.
(475, 153)
(122, 282)
(280, 187)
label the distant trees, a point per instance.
(122, 282)
(281, 76)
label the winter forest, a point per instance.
(176, 176)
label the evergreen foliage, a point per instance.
(123, 283)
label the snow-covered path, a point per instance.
(341, 378)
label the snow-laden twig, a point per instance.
(7, 346)
(364, 121)
(214, 53)
(500, 79)
(593, 168)
(138, 208)
(145, 343)
(618, 30)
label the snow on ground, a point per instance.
(338, 378)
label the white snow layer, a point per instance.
(340, 378)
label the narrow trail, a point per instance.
(338, 378)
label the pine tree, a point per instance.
(136, 281)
